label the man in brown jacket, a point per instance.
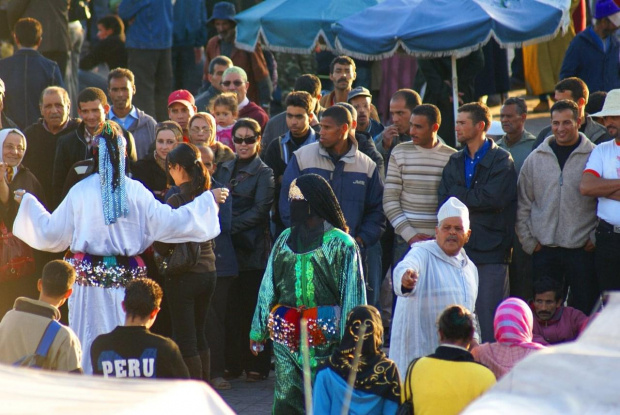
(253, 63)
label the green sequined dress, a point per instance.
(330, 275)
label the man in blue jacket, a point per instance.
(353, 176)
(26, 74)
(593, 53)
(188, 38)
(483, 177)
(149, 43)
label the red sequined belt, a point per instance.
(323, 325)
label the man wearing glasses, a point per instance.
(236, 80)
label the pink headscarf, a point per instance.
(513, 324)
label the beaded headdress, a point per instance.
(112, 178)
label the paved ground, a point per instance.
(253, 398)
(256, 398)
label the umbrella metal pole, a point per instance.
(305, 352)
(455, 92)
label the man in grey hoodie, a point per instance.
(555, 222)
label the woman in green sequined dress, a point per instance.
(314, 272)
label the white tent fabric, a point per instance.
(31, 391)
(577, 378)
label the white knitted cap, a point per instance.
(454, 208)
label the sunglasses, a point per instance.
(236, 82)
(246, 140)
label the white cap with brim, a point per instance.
(611, 107)
(615, 19)
(454, 208)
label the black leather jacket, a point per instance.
(491, 200)
(252, 192)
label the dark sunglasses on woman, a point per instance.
(247, 140)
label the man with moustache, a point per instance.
(601, 179)
(554, 323)
(42, 137)
(401, 106)
(412, 180)
(342, 73)
(433, 275)
(483, 176)
(554, 220)
(121, 89)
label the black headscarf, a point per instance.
(312, 203)
(376, 373)
(322, 200)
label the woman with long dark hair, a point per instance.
(189, 294)
(151, 170)
(252, 189)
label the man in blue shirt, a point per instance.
(483, 177)
(149, 43)
(121, 89)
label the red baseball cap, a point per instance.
(183, 96)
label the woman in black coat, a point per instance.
(151, 171)
(189, 293)
(252, 187)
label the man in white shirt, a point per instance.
(601, 179)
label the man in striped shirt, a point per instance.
(413, 176)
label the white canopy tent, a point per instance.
(31, 391)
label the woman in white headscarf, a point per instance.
(107, 220)
(15, 176)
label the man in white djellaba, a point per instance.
(433, 275)
(107, 220)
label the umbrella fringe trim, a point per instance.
(284, 49)
(440, 54)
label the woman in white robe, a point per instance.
(83, 223)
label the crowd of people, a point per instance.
(495, 247)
